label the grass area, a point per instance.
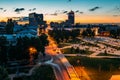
(97, 69)
(22, 78)
(63, 45)
(90, 44)
(44, 72)
(67, 51)
(24, 70)
(74, 41)
(115, 47)
(76, 51)
(103, 54)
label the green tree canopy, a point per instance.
(3, 74)
(9, 27)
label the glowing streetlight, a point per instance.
(32, 50)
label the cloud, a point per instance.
(18, 10)
(33, 9)
(54, 14)
(117, 9)
(116, 15)
(30, 10)
(81, 12)
(1, 8)
(58, 12)
(95, 8)
(4, 10)
(64, 12)
(76, 11)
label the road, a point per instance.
(63, 72)
(67, 70)
(110, 57)
(102, 41)
(54, 66)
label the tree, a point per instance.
(105, 52)
(84, 33)
(88, 32)
(3, 50)
(118, 33)
(77, 50)
(61, 35)
(43, 39)
(3, 41)
(93, 33)
(3, 74)
(113, 33)
(25, 44)
(44, 72)
(72, 49)
(9, 27)
(75, 33)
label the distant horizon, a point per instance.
(48, 21)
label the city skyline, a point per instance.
(86, 11)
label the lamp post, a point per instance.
(32, 51)
(17, 71)
(78, 62)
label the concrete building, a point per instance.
(71, 18)
(35, 19)
(3, 23)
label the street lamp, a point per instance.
(17, 67)
(32, 51)
(78, 62)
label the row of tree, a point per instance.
(88, 33)
(20, 51)
(61, 35)
(9, 28)
(3, 74)
(115, 34)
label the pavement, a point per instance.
(96, 50)
(106, 40)
(41, 61)
(66, 68)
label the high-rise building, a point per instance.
(35, 19)
(71, 18)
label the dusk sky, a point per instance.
(86, 11)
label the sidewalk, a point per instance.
(40, 61)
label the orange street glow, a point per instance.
(32, 50)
